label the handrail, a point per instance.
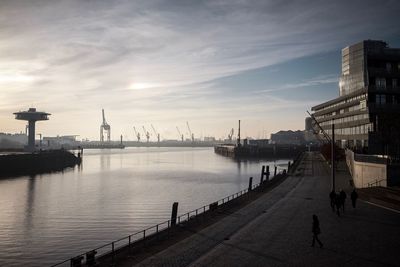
(376, 183)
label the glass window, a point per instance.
(380, 82)
(388, 66)
(394, 82)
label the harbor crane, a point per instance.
(147, 134)
(180, 135)
(137, 134)
(190, 132)
(230, 135)
(105, 127)
(157, 134)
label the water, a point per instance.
(49, 218)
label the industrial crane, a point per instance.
(147, 134)
(137, 134)
(157, 134)
(190, 132)
(230, 135)
(180, 135)
(105, 127)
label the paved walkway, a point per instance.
(275, 230)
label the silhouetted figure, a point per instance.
(354, 197)
(338, 204)
(343, 197)
(332, 196)
(316, 231)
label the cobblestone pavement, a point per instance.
(275, 230)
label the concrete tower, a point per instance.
(31, 116)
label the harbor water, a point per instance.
(48, 218)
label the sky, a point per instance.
(165, 63)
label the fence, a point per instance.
(140, 238)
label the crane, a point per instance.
(180, 135)
(230, 135)
(105, 127)
(157, 134)
(147, 134)
(137, 134)
(190, 132)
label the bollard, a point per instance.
(288, 167)
(91, 257)
(267, 178)
(174, 213)
(262, 174)
(250, 183)
(77, 261)
(275, 170)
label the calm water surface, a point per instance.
(49, 218)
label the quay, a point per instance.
(255, 151)
(27, 163)
(272, 227)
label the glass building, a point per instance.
(367, 112)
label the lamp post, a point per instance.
(333, 155)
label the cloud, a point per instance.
(80, 56)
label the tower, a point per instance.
(31, 116)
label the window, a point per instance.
(380, 83)
(380, 99)
(363, 104)
(394, 83)
(388, 66)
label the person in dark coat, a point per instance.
(316, 231)
(343, 197)
(338, 204)
(332, 196)
(354, 197)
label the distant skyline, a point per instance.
(210, 63)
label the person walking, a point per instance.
(343, 197)
(338, 204)
(316, 231)
(332, 196)
(354, 197)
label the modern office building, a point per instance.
(366, 114)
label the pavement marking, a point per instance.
(380, 206)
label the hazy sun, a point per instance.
(140, 86)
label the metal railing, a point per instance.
(110, 249)
(375, 183)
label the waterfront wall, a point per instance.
(366, 170)
(36, 163)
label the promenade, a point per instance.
(275, 229)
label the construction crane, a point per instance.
(137, 134)
(190, 132)
(157, 134)
(230, 135)
(105, 127)
(180, 135)
(147, 134)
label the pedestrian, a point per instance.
(343, 197)
(354, 197)
(338, 204)
(332, 196)
(316, 231)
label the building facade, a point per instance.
(366, 114)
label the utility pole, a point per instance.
(238, 140)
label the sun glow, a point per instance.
(141, 86)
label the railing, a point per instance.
(110, 249)
(375, 183)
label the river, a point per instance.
(52, 217)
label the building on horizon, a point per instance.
(366, 114)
